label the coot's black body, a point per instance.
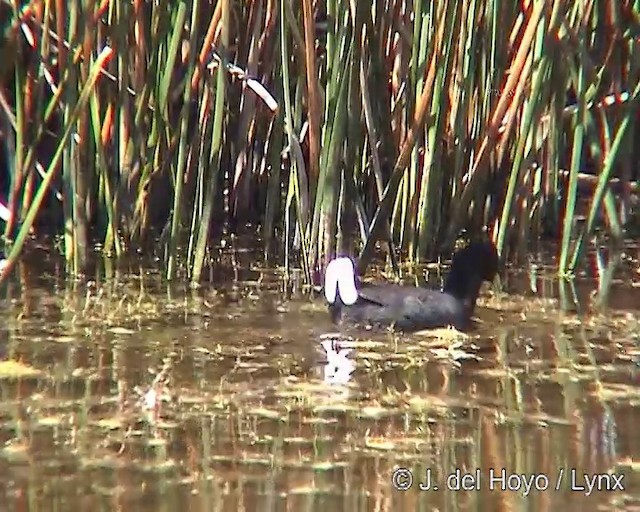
(408, 308)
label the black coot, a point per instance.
(408, 308)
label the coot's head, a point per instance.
(340, 282)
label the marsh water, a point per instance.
(121, 392)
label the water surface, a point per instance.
(125, 393)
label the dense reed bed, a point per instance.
(323, 127)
